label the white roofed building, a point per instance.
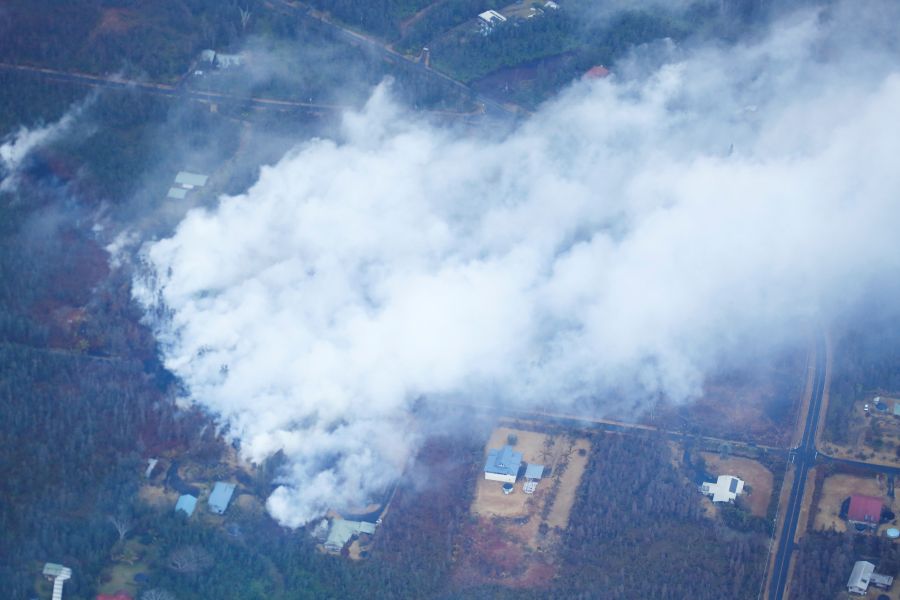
(725, 489)
(860, 577)
(58, 574)
(342, 531)
(491, 17)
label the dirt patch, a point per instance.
(754, 474)
(157, 496)
(577, 457)
(116, 21)
(837, 488)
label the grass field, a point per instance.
(512, 539)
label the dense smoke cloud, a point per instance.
(16, 146)
(633, 235)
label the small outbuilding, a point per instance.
(176, 193)
(881, 581)
(533, 474)
(186, 504)
(189, 180)
(503, 465)
(220, 497)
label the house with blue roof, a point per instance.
(220, 497)
(502, 464)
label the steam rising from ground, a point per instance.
(15, 147)
(632, 235)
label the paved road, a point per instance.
(176, 91)
(803, 457)
(491, 108)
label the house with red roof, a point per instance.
(864, 510)
(120, 595)
(596, 72)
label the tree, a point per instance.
(122, 524)
(245, 18)
(190, 559)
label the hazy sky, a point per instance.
(636, 233)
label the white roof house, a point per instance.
(859, 577)
(342, 530)
(59, 574)
(725, 489)
(228, 61)
(492, 17)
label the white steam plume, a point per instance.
(629, 236)
(16, 146)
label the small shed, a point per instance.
(533, 474)
(186, 504)
(220, 497)
(189, 180)
(176, 193)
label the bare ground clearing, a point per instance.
(754, 474)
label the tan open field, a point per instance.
(552, 452)
(489, 497)
(508, 533)
(568, 483)
(835, 489)
(754, 474)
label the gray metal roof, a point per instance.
(192, 179)
(342, 530)
(859, 577)
(534, 471)
(177, 193)
(55, 570)
(186, 503)
(504, 461)
(220, 497)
